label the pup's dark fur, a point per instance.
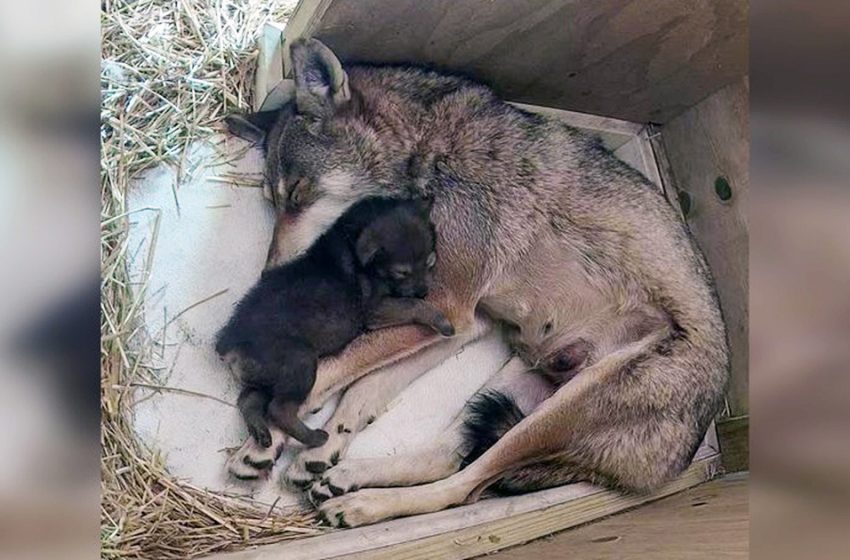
(366, 272)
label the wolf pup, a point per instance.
(370, 270)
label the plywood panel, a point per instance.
(734, 436)
(711, 521)
(711, 140)
(638, 60)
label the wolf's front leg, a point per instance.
(360, 405)
(402, 311)
(364, 355)
(382, 348)
(368, 398)
(434, 462)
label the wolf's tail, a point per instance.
(488, 416)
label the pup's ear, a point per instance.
(367, 247)
(321, 85)
(251, 126)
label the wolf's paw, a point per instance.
(359, 508)
(336, 481)
(312, 462)
(253, 461)
(445, 327)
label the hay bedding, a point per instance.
(170, 71)
(184, 233)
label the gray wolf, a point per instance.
(621, 354)
(368, 271)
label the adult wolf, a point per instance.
(621, 355)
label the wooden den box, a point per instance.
(664, 84)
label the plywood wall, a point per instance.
(705, 143)
(638, 60)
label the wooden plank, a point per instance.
(629, 141)
(478, 528)
(662, 164)
(637, 60)
(269, 62)
(613, 132)
(734, 436)
(647, 155)
(707, 142)
(637, 152)
(709, 521)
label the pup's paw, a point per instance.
(316, 438)
(446, 328)
(358, 508)
(259, 431)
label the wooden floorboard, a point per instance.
(710, 521)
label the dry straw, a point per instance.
(170, 71)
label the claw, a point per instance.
(300, 484)
(245, 477)
(316, 467)
(317, 497)
(260, 465)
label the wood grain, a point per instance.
(734, 436)
(638, 60)
(710, 521)
(706, 142)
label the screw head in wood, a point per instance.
(723, 189)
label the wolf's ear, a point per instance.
(367, 247)
(251, 126)
(321, 84)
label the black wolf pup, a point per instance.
(370, 270)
